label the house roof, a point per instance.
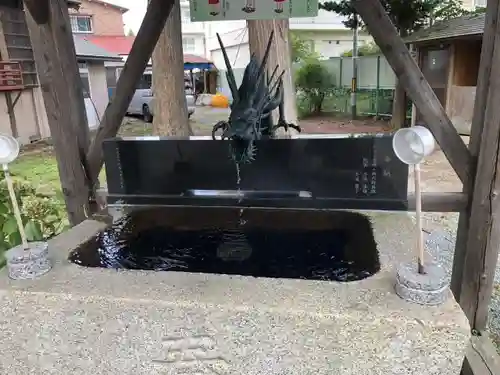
(118, 44)
(454, 28)
(121, 45)
(87, 50)
(105, 3)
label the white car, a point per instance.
(142, 101)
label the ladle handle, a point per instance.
(15, 206)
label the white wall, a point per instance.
(327, 31)
(98, 86)
(193, 44)
(332, 43)
(239, 56)
(328, 43)
(193, 33)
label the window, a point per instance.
(146, 82)
(480, 3)
(81, 24)
(188, 45)
(185, 16)
(86, 84)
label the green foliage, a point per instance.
(315, 82)
(301, 49)
(407, 16)
(43, 215)
(368, 49)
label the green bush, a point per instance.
(43, 215)
(315, 82)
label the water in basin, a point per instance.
(313, 245)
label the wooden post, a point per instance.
(39, 10)
(258, 37)
(57, 66)
(170, 108)
(483, 239)
(4, 55)
(407, 71)
(483, 87)
(142, 49)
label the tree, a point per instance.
(316, 82)
(368, 49)
(170, 108)
(130, 32)
(407, 16)
(258, 37)
(300, 49)
(57, 66)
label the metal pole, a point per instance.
(354, 83)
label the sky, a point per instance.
(137, 10)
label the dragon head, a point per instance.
(253, 102)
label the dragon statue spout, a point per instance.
(253, 104)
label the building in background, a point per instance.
(22, 112)
(326, 34)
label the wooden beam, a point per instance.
(481, 357)
(385, 35)
(142, 49)
(483, 239)
(483, 87)
(57, 66)
(439, 202)
(4, 56)
(39, 10)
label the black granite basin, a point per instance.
(300, 244)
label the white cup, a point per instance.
(413, 145)
(9, 149)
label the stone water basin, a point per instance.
(225, 316)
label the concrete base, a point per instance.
(431, 288)
(82, 321)
(31, 263)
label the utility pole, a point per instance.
(354, 82)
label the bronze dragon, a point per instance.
(253, 103)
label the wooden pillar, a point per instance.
(483, 238)
(142, 49)
(407, 71)
(258, 37)
(482, 91)
(171, 115)
(4, 56)
(55, 58)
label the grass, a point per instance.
(37, 163)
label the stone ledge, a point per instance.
(76, 320)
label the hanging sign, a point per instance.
(219, 10)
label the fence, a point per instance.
(376, 82)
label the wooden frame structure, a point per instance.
(478, 239)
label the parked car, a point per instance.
(142, 101)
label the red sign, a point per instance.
(11, 76)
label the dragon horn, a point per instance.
(230, 74)
(266, 56)
(270, 79)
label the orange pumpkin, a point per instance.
(220, 101)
